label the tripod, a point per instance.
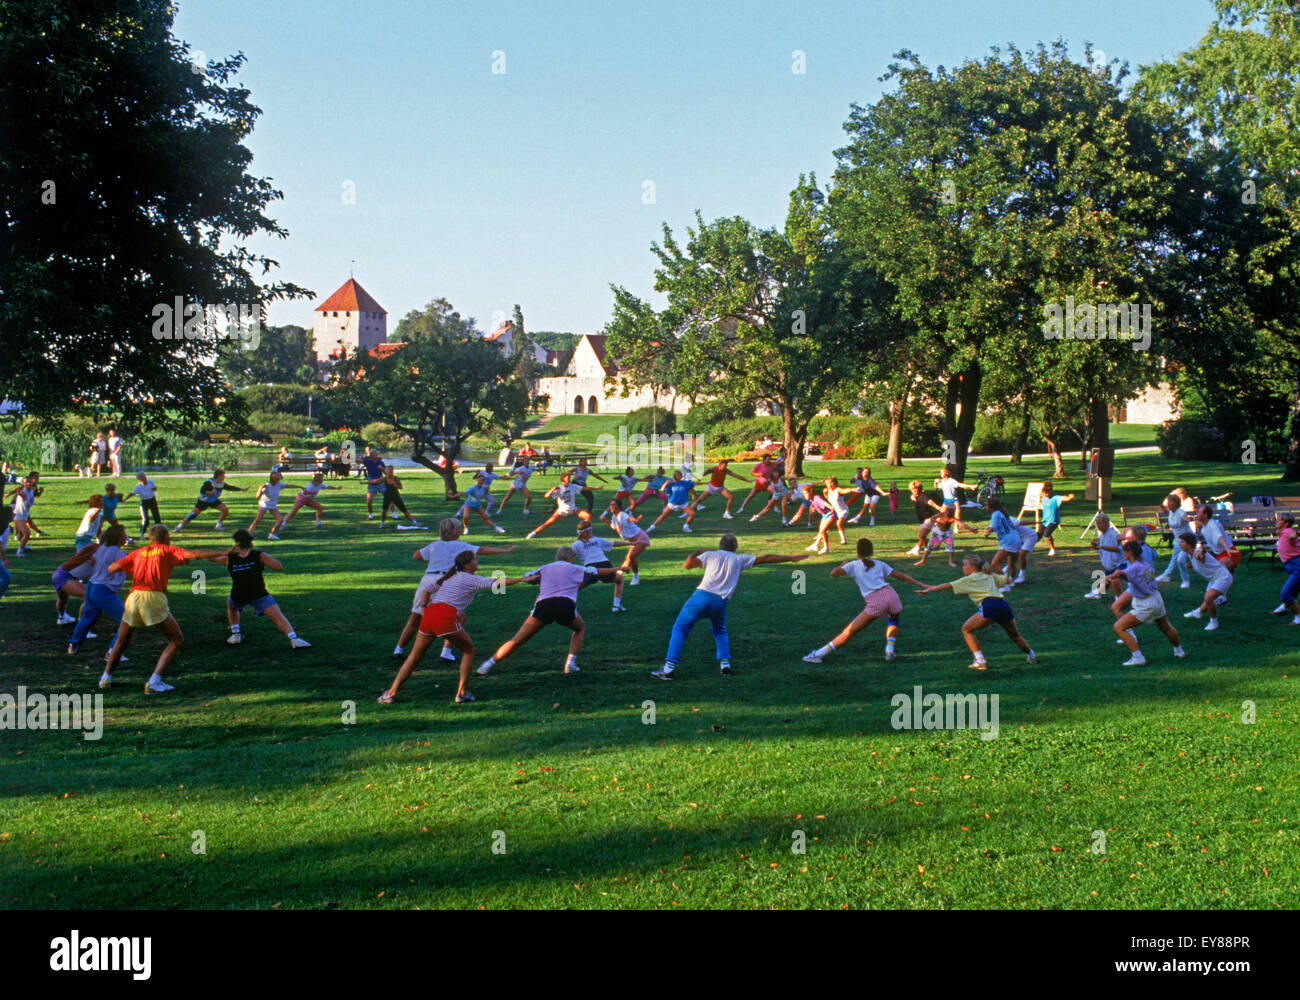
(1101, 493)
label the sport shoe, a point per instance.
(273, 537)
(890, 655)
(530, 536)
(687, 528)
(635, 581)
(1179, 652)
(1031, 659)
(978, 666)
(755, 518)
(617, 608)
(234, 639)
(1136, 660)
(871, 523)
(498, 529)
(371, 517)
(385, 699)
(483, 670)
(155, 686)
(105, 682)
(1185, 585)
(320, 523)
(571, 668)
(448, 654)
(1163, 578)
(725, 667)
(855, 520)
(1194, 613)
(1093, 595)
(525, 511)
(1295, 620)
(813, 658)
(298, 642)
(810, 548)
(66, 619)
(1279, 610)
(663, 673)
(468, 696)
(1214, 624)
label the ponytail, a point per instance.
(981, 564)
(865, 550)
(463, 559)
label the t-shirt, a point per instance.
(521, 474)
(625, 526)
(580, 476)
(89, 521)
(489, 478)
(722, 571)
(978, 586)
(567, 496)
(1216, 539)
(151, 566)
(477, 495)
(821, 505)
(763, 470)
(593, 550)
(110, 504)
(657, 482)
(114, 444)
(923, 509)
(1005, 528)
(562, 579)
(145, 491)
(374, 467)
(948, 487)
(1288, 544)
(1177, 518)
(211, 491)
(1051, 509)
(99, 574)
(627, 484)
(271, 494)
(679, 491)
(1110, 560)
(460, 588)
(246, 583)
(870, 579)
(1213, 571)
(1141, 578)
(311, 490)
(442, 555)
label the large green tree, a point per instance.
(1240, 89)
(446, 384)
(763, 315)
(283, 354)
(125, 190)
(985, 195)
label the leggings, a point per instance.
(1290, 589)
(147, 507)
(393, 498)
(589, 497)
(701, 604)
(1045, 530)
(98, 598)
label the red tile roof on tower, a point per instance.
(351, 297)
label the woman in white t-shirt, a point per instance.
(1218, 578)
(625, 523)
(444, 618)
(872, 577)
(557, 604)
(268, 502)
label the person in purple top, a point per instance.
(1147, 606)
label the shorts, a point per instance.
(519, 484)
(710, 490)
(269, 507)
(996, 610)
(938, 538)
(145, 608)
(884, 602)
(640, 538)
(59, 577)
(1010, 544)
(1231, 559)
(761, 484)
(441, 620)
(1221, 582)
(1028, 538)
(555, 611)
(564, 509)
(676, 506)
(603, 564)
(418, 606)
(206, 504)
(1148, 609)
(258, 604)
(19, 516)
(841, 512)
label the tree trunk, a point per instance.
(1022, 437)
(1100, 423)
(1292, 470)
(448, 472)
(963, 389)
(793, 437)
(1058, 465)
(897, 410)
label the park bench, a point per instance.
(1255, 529)
(218, 439)
(309, 463)
(1152, 514)
(563, 461)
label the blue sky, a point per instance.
(527, 186)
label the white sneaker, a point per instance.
(1005, 590)
(1163, 578)
(1032, 658)
(298, 642)
(320, 524)
(530, 536)
(726, 515)
(1136, 660)
(66, 619)
(273, 537)
(571, 668)
(855, 520)
(499, 530)
(871, 523)
(525, 512)
(813, 657)
(448, 655)
(890, 655)
(1295, 620)
(483, 670)
(1280, 609)
(810, 548)
(687, 528)
(1179, 652)
(1020, 578)
(220, 526)
(1214, 624)
(784, 522)
(636, 581)
(823, 550)
(370, 517)
(1185, 585)
(1093, 595)
(234, 639)
(755, 518)
(155, 686)
(651, 528)
(1194, 613)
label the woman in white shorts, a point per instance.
(307, 498)
(1217, 576)
(268, 502)
(872, 577)
(1147, 605)
(624, 522)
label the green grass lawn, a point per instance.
(402, 806)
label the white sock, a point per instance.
(292, 634)
(234, 630)
(570, 660)
(826, 650)
(889, 643)
(979, 657)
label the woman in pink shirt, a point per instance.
(1288, 553)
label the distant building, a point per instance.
(347, 320)
(504, 336)
(1153, 405)
(582, 388)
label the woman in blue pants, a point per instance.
(102, 587)
(722, 568)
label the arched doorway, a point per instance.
(577, 404)
(591, 405)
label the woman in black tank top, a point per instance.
(247, 586)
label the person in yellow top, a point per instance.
(982, 586)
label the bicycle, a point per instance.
(989, 486)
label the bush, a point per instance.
(651, 419)
(995, 434)
(382, 436)
(704, 417)
(268, 424)
(278, 398)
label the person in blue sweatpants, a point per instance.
(722, 568)
(103, 587)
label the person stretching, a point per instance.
(1146, 606)
(717, 477)
(679, 494)
(722, 568)
(872, 577)
(1288, 554)
(247, 587)
(984, 587)
(210, 499)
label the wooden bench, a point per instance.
(1255, 529)
(309, 463)
(1152, 514)
(562, 461)
(218, 439)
